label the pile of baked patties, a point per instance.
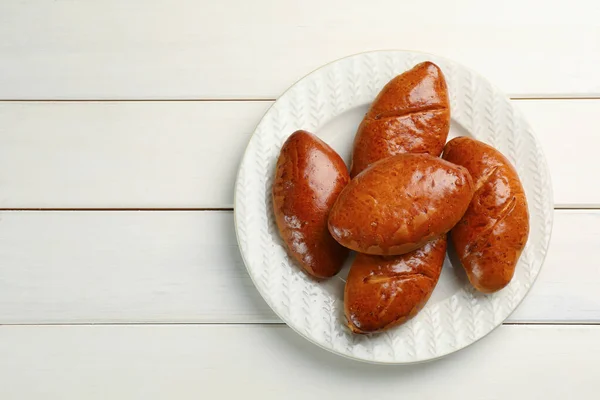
(398, 203)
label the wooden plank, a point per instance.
(63, 267)
(123, 154)
(567, 130)
(184, 266)
(167, 49)
(272, 362)
(186, 154)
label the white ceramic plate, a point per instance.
(331, 102)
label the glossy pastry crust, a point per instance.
(385, 291)
(308, 178)
(491, 235)
(400, 203)
(411, 114)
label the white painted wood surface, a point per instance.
(185, 267)
(123, 154)
(162, 49)
(272, 362)
(216, 337)
(186, 154)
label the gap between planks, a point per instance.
(556, 207)
(273, 323)
(259, 99)
(118, 209)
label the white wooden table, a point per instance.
(122, 124)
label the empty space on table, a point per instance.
(175, 49)
(186, 154)
(220, 361)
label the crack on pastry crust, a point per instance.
(406, 113)
(398, 278)
(483, 179)
(485, 234)
(388, 304)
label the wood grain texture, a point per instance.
(273, 362)
(168, 49)
(185, 267)
(186, 154)
(123, 154)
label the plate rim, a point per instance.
(550, 201)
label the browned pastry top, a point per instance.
(400, 203)
(384, 291)
(493, 232)
(411, 114)
(308, 178)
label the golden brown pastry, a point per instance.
(400, 203)
(308, 178)
(492, 234)
(411, 114)
(385, 291)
